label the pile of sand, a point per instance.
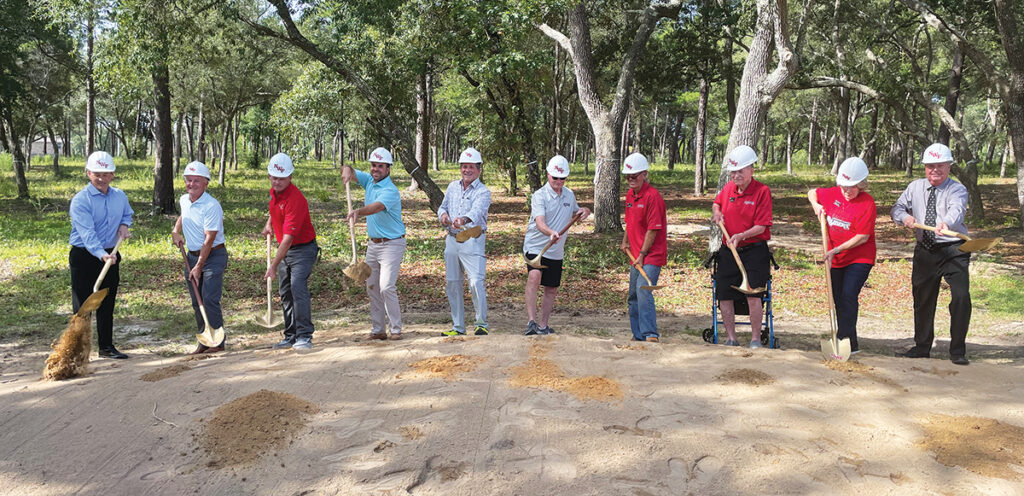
(854, 367)
(165, 372)
(251, 426)
(447, 367)
(983, 446)
(749, 377)
(542, 373)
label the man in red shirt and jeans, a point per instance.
(646, 242)
(297, 249)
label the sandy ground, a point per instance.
(571, 413)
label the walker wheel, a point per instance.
(708, 335)
(764, 339)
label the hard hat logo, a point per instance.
(377, 156)
(732, 162)
(559, 169)
(935, 154)
(846, 176)
(103, 164)
(279, 168)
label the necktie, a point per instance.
(928, 240)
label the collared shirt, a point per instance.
(741, 211)
(95, 218)
(289, 214)
(645, 211)
(472, 202)
(204, 214)
(557, 210)
(950, 206)
(847, 219)
(388, 222)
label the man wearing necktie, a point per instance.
(941, 202)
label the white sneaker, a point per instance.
(755, 344)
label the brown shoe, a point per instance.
(652, 339)
(200, 349)
(215, 349)
(395, 337)
(382, 335)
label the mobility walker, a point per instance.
(741, 306)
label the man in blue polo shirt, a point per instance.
(100, 215)
(202, 224)
(382, 208)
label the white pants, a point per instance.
(384, 259)
(465, 258)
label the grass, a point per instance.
(34, 233)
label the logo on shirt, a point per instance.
(732, 199)
(842, 224)
(749, 202)
(279, 168)
(566, 204)
(639, 205)
(629, 205)
(836, 203)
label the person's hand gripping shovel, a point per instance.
(210, 337)
(833, 348)
(970, 245)
(535, 263)
(357, 270)
(650, 285)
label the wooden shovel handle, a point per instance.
(641, 269)
(195, 289)
(575, 217)
(351, 221)
(944, 232)
(735, 254)
(828, 276)
(106, 266)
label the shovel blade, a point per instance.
(651, 288)
(749, 291)
(211, 337)
(358, 272)
(268, 321)
(465, 234)
(92, 302)
(838, 350)
(979, 244)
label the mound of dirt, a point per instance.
(447, 367)
(749, 377)
(983, 446)
(541, 373)
(249, 427)
(195, 358)
(164, 373)
(458, 339)
(848, 366)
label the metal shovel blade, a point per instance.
(535, 263)
(357, 271)
(748, 290)
(465, 234)
(836, 350)
(211, 337)
(92, 302)
(651, 288)
(269, 321)
(979, 244)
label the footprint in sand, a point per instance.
(693, 475)
(545, 461)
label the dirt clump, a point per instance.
(410, 432)
(447, 367)
(847, 366)
(195, 358)
(249, 427)
(630, 347)
(458, 339)
(70, 357)
(749, 377)
(165, 373)
(542, 373)
(983, 446)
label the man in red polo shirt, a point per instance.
(644, 241)
(297, 249)
(745, 206)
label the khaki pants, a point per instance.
(384, 259)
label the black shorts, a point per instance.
(551, 277)
(757, 262)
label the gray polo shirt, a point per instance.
(557, 210)
(950, 206)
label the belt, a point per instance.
(750, 246)
(215, 248)
(300, 245)
(381, 240)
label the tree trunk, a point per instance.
(810, 132)
(90, 86)
(789, 152)
(422, 123)
(842, 96)
(56, 154)
(13, 143)
(730, 79)
(956, 74)
(163, 171)
(699, 148)
(177, 143)
(224, 149)
(201, 132)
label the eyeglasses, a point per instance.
(553, 178)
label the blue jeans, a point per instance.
(846, 285)
(211, 285)
(643, 319)
(292, 275)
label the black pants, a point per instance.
(930, 267)
(85, 268)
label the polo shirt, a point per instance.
(95, 218)
(204, 214)
(645, 211)
(557, 210)
(289, 214)
(847, 219)
(388, 222)
(741, 211)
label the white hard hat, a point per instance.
(381, 155)
(280, 166)
(851, 172)
(937, 153)
(740, 157)
(196, 169)
(558, 167)
(470, 156)
(634, 164)
(100, 162)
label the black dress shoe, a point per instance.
(913, 353)
(112, 352)
(959, 360)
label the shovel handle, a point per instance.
(735, 255)
(944, 232)
(106, 266)
(828, 278)
(575, 217)
(641, 269)
(195, 289)
(351, 222)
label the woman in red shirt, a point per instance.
(850, 213)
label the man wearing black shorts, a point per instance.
(552, 207)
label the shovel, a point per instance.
(535, 263)
(834, 348)
(650, 285)
(744, 286)
(469, 232)
(210, 337)
(357, 270)
(970, 245)
(269, 320)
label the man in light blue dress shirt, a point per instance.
(465, 205)
(200, 228)
(382, 208)
(100, 215)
